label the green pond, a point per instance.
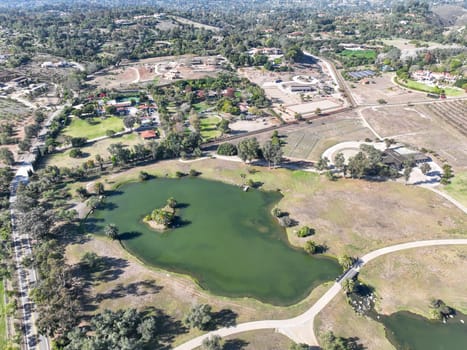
(409, 331)
(227, 239)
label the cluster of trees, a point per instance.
(368, 162)
(122, 329)
(439, 310)
(329, 341)
(249, 149)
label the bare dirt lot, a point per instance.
(419, 127)
(383, 88)
(145, 71)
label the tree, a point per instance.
(82, 192)
(6, 156)
(299, 347)
(129, 122)
(99, 188)
(111, 231)
(318, 111)
(172, 202)
(227, 149)
(305, 231)
(199, 316)
(425, 168)
(223, 126)
(339, 161)
(272, 153)
(311, 247)
(407, 172)
(213, 342)
(346, 261)
(323, 163)
(349, 285)
(195, 121)
(248, 149)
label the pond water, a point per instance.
(409, 331)
(227, 239)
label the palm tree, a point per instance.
(111, 231)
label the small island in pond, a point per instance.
(161, 219)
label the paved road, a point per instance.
(300, 328)
(26, 277)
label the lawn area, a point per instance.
(458, 187)
(412, 84)
(62, 159)
(3, 336)
(200, 107)
(368, 54)
(209, 127)
(81, 128)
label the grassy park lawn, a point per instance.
(412, 84)
(63, 159)
(369, 54)
(3, 335)
(209, 127)
(458, 187)
(97, 128)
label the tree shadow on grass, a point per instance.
(235, 344)
(139, 288)
(167, 327)
(222, 318)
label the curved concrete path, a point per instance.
(300, 328)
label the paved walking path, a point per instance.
(300, 328)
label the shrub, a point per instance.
(194, 172)
(285, 221)
(227, 149)
(305, 231)
(276, 212)
(179, 174)
(143, 176)
(75, 153)
(109, 133)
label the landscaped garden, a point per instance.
(415, 85)
(208, 127)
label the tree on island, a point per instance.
(162, 217)
(172, 202)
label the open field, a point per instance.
(453, 113)
(97, 128)
(339, 317)
(309, 142)
(458, 187)
(13, 111)
(419, 127)
(435, 272)
(62, 159)
(412, 84)
(383, 88)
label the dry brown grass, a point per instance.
(408, 280)
(339, 317)
(419, 127)
(259, 340)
